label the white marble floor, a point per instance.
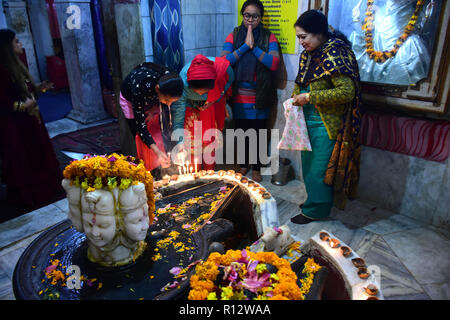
(414, 258)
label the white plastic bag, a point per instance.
(295, 134)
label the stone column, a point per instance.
(127, 143)
(129, 34)
(77, 36)
(41, 34)
(17, 20)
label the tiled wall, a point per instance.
(412, 186)
(147, 30)
(206, 24)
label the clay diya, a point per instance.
(230, 172)
(238, 176)
(174, 177)
(211, 172)
(359, 262)
(363, 273)
(335, 243)
(196, 176)
(267, 195)
(262, 191)
(324, 236)
(165, 181)
(244, 180)
(203, 173)
(372, 298)
(371, 289)
(346, 251)
(221, 173)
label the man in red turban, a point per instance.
(207, 84)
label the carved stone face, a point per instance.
(99, 229)
(114, 222)
(136, 223)
(133, 202)
(73, 197)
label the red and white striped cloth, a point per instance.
(427, 139)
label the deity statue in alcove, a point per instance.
(389, 44)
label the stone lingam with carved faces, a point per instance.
(114, 221)
(112, 211)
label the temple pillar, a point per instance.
(17, 19)
(41, 34)
(77, 36)
(127, 142)
(129, 34)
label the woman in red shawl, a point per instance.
(29, 165)
(207, 84)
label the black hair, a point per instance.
(170, 84)
(315, 22)
(256, 3)
(202, 84)
(11, 62)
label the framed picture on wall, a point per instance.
(402, 49)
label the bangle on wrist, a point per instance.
(19, 106)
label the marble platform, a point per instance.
(413, 256)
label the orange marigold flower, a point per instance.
(278, 297)
(290, 291)
(368, 27)
(198, 294)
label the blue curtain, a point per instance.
(167, 33)
(97, 23)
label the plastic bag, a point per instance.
(295, 134)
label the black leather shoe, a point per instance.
(301, 219)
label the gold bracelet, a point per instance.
(18, 106)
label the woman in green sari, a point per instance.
(328, 89)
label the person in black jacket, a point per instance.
(146, 95)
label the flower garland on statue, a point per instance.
(109, 172)
(382, 56)
(245, 275)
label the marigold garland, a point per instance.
(109, 172)
(240, 275)
(382, 56)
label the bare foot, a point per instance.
(256, 176)
(244, 171)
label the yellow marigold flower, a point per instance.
(311, 266)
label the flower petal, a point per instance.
(175, 270)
